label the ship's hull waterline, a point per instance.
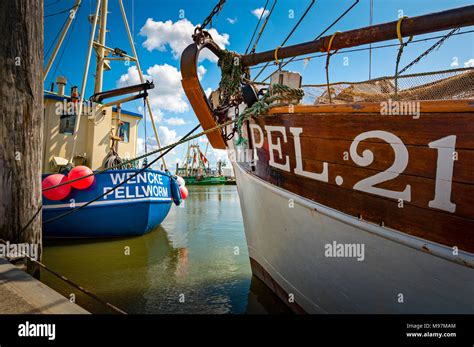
(287, 247)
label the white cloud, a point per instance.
(201, 70)
(168, 94)
(175, 121)
(258, 12)
(177, 36)
(232, 20)
(454, 63)
(469, 63)
(208, 91)
(167, 136)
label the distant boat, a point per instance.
(99, 139)
(195, 169)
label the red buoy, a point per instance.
(57, 193)
(184, 192)
(78, 172)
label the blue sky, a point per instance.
(160, 41)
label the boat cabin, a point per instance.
(98, 127)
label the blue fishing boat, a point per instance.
(124, 196)
(132, 209)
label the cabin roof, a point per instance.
(52, 96)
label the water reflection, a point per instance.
(196, 262)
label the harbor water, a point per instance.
(196, 262)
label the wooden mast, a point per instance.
(21, 129)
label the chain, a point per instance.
(199, 29)
(437, 45)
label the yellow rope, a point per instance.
(327, 62)
(276, 55)
(399, 32)
(330, 41)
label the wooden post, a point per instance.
(21, 112)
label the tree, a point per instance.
(21, 112)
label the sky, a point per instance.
(162, 29)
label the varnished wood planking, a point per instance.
(428, 106)
(326, 137)
(422, 189)
(427, 128)
(433, 225)
(333, 151)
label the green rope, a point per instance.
(277, 92)
(230, 88)
(231, 72)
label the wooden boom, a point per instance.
(455, 18)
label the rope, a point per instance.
(170, 146)
(400, 49)
(277, 92)
(118, 185)
(329, 54)
(78, 287)
(276, 55)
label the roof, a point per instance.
(53, 96)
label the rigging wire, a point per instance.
(57, 63)
(289, 35)
(436, 46)
(55, 38)
(262, 29)
(60, 12)
(53, 3)
(371, 18)
(256, 27)
(67, 280)
(373, 47)
(170, 148)
(317, 37)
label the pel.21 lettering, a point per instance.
(444, 166)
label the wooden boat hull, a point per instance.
(287, 252)
(132, 210)
(414, 218)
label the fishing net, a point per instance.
(439, 85)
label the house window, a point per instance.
(124, 132)
(67, 123)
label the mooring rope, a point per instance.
(117, 185)
(75, 285)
